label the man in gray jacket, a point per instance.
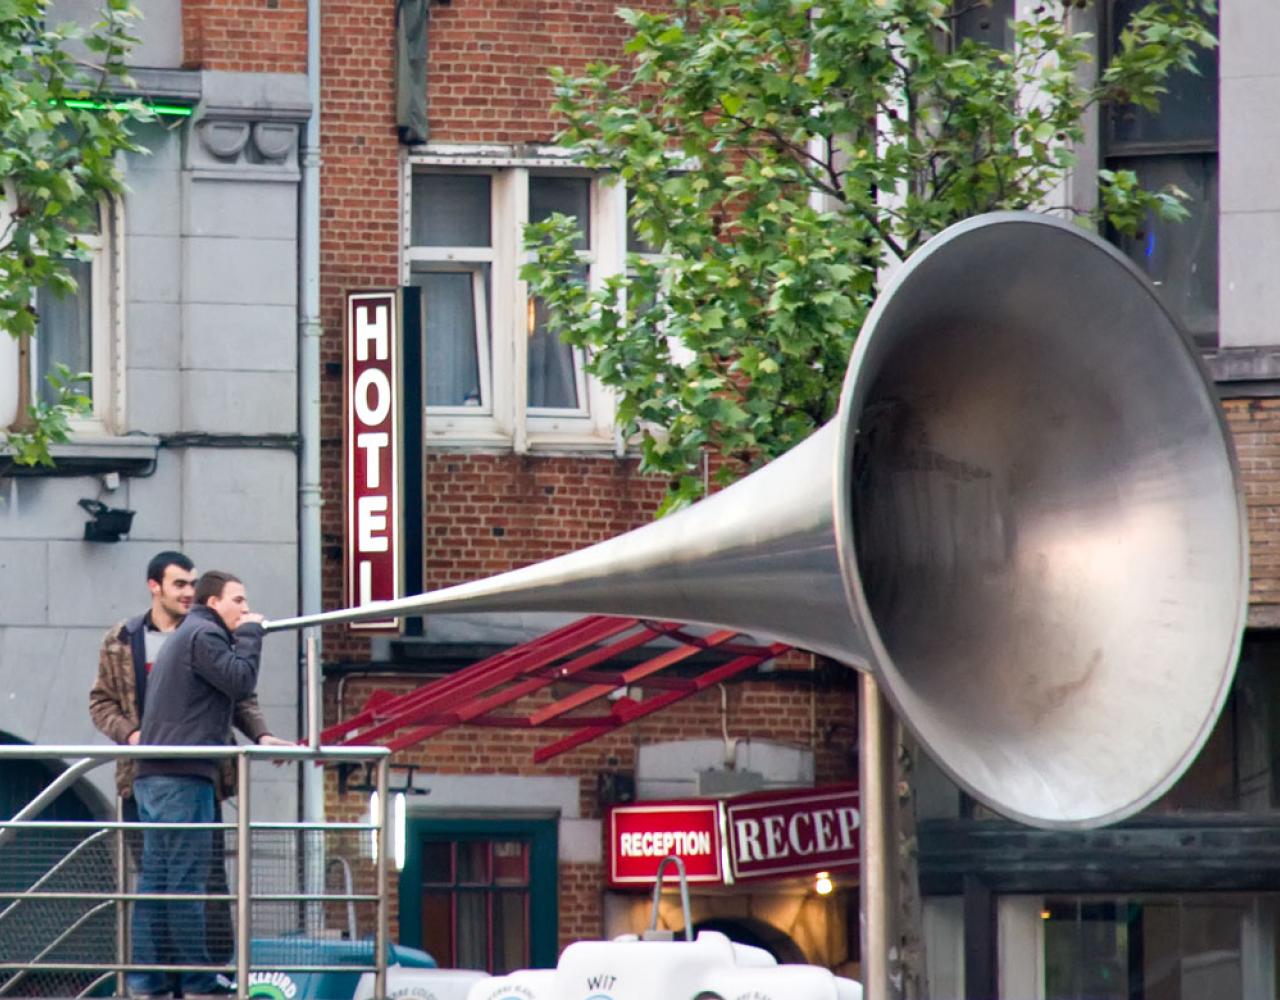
(209, 663)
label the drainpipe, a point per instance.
(309, 334)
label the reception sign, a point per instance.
(765, 835)
(793, 833)
(641, 836)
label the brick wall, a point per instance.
(1255, 426)
(487, 83)
(792, 712)
(245, 36)
(360, 225)
(488, 60)
(490, 513)
(581, 902)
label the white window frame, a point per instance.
(106, 267)
(507, 420)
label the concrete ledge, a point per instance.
(1244, 364)
(179, 86)
(255, 96)
(1263, 616)
(86, 455)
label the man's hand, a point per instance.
(251, 616)
(134, 738)
(267, 740)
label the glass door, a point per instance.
(481, 894)
(475, 903)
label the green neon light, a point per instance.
(173, 110)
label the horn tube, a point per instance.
(1025, 520)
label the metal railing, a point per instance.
(62, 881)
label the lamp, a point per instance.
(105, 524)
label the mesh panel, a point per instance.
(57, 908)
(51, 930)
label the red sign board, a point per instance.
(372, 453)
(777, 834)
(766, 835)
(641, 836)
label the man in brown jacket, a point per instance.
(118, 695)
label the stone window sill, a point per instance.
(87, 454)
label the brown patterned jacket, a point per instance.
(116, 709)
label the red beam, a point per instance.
(628, 713)
(651, 666)
(518, 721)
(469, 696)
(613, 681)
(478, 678)
(478, 707)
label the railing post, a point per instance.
(122, 906)
(311, 842)
(315, 704)
(244, 907)
(875, 780)
(382, 938)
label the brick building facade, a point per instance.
(524, 483)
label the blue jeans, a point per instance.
(173, 862)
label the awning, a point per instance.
(579, 654)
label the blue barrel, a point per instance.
(279, 962)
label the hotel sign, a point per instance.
(766, 835)
(372, 460)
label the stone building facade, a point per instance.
(192, 306)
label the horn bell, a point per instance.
(1025, 520)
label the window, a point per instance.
(1238, 769)
(493, 372)
(1184, 947)
(475, 903)
(1176, 147)
(80, 330)
(984, 21)
(555, 369)
(481, 893)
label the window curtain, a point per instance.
(452, 370)
(552, 381)
(65, 330)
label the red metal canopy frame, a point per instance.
(579, 654)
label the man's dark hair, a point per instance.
(161, 561)
(212, 583)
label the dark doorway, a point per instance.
(757, 934)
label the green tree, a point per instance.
(62, 128)
(727, 120)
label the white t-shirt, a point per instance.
(154, 639)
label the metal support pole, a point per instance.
(312, 860)
(315, 709)
(123, 952)
(383, 936)
(244, 887)
(875, 777)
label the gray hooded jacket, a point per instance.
(199, 675)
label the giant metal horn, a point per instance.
(1025, 520)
